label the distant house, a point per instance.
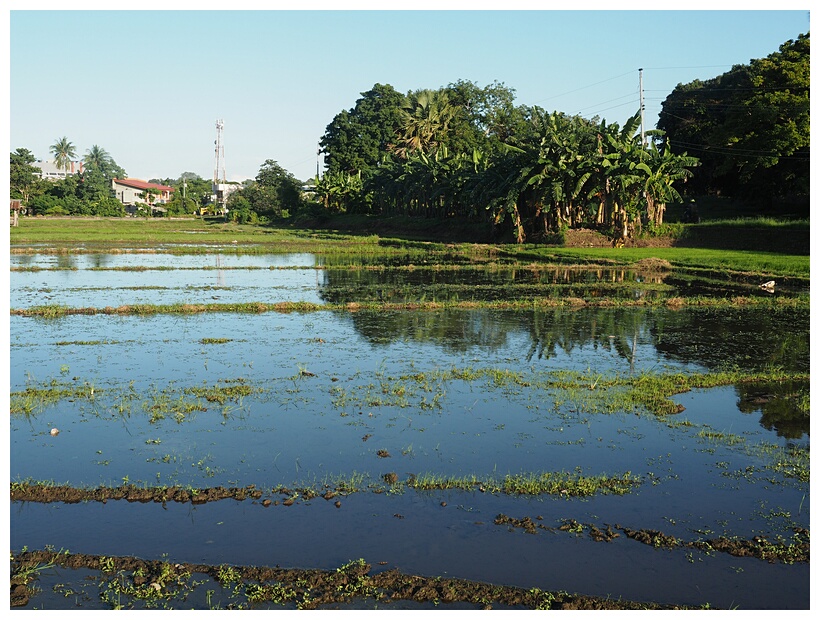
(131, 191)
(50, 171)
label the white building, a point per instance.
(49, 170)
(131, 191)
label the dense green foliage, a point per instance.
(529, 172)
(748, 126)
(467, 153)
(192, 192)
(23, 179)
(86, 193)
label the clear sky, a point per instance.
(149, 85)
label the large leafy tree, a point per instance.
(463, 151)
(749, 126)
(356, 139)
(273, 192)
(485, 118)
(24, 180)
(192, 192)
(64, 153)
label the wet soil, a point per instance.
(131, 493)
(796, 550)
(317, 588)
(760, 547)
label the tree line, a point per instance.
(466, 151)
(85, 193)
(272, 194)
(749, 127)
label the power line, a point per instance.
(693, 67)
(583, 87)
(745, 153)
(620, 105)
(608, 101)
(709, 89)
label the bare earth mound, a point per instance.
(588, 238)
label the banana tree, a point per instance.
(616, 176)
(666, 169)
(338, 191)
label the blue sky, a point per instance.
(149, 85)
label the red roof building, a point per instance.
(131, 191)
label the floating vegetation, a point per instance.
(234, 390)
(34, 399)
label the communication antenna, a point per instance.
(219, 155)
(220, 186)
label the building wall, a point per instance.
(128, 195)
(50, 171)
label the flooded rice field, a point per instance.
(468, 456)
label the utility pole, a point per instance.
(640, 87)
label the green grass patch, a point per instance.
(60, 311)
(563, 484)
(768, 264)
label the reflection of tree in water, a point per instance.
(66, 261)
(484, 283)
(100, 260)
(453, 330)
(567, 328)
(783, 406)
(746, 338)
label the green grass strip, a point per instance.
(59, 311)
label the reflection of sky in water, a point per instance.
(81, 289)
(309, 429)
(154, 260)
(188, 279)
(271, 344)
(315, 422)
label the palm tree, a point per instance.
(97, 157)
(425, 119)
(64, 152)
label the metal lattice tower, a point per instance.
(219, 155)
